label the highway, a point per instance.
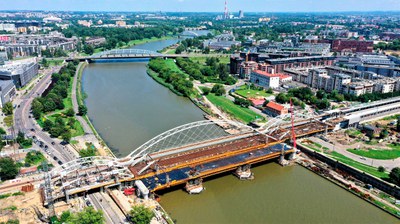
(103, 202)
(24, 122)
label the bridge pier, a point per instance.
(194, 186)
(244, 172)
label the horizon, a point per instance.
(205, 6)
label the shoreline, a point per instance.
(352, 188)
(79, 99)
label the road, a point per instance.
(388, 164)
(103, 202)
(24, 122)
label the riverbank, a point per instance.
(91, 135)
(346, 181)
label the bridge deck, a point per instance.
(182, 175)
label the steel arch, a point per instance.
(145, 149)
(126, 52)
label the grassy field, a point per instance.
(173, 67)
(250, 93)
(202, 60)
(244, 114)
(368, 169)
(9, 120)
(382, 154)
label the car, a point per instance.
(32, 129)
(55, 158)
(53, 143)
(30, 116)
(88, 203)
(59, 162)
(46, 147)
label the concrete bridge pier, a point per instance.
(244, 172)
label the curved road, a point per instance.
(24, 122)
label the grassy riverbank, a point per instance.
(243, 114)
(382, 154)
(346, 160)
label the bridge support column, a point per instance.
(244, 172)
(194, 186)
(67, 197)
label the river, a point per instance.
(128, 108)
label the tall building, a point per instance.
(241, 14)
(226, 12)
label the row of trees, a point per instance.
(54, 100)
(196, 42)
(213, 71)
(303, 95)
(178, 81)
(117, 36)
(369, 97)
(395, 45)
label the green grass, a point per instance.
(353, 133)
(382, 154)
(367, 169)
(202, 60)
(244, 114)
(77, 129)
(250, 93)
(174, 67)
(393, 117)
(9, 120)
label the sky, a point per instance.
(203, 5)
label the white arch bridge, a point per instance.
(129, 53)
(83, 174)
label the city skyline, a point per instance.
(205, 5)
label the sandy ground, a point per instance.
(24, 204)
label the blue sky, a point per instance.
(203, 5)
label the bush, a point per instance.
(381, 169)
(218, 90)
(141, 215)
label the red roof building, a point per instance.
(275, 109)
(257, 102)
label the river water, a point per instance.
(128, 108)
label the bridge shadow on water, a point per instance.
(211, 178)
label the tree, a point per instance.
(8, 108)
(218, 90)
(398, 124)
(206, 91)
(88, 49)
(141, 215)
(66, 136)
(384, 133)
(8, 169)
(394, 176)
(381, 169)
(82, 110)
(87, 216)
(47, 125)
(70, 112)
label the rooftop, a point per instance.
(275, 106)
